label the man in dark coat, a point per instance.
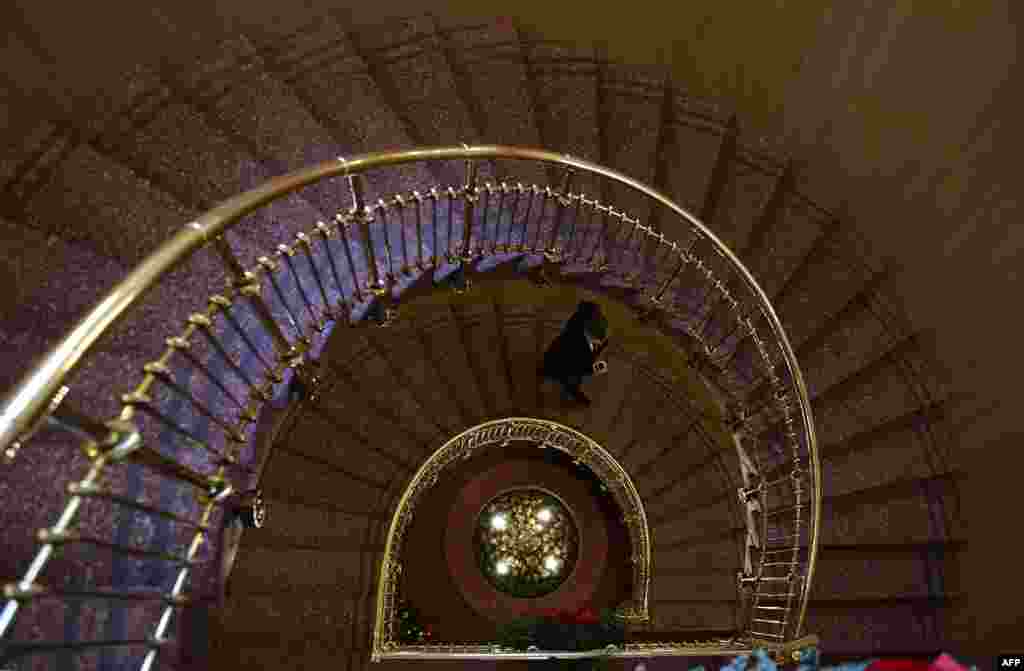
(574, 353)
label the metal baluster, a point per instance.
(502, 189)
(144, 402)
(36, 591)
(512, 215)
(179, 582)
(171, 468)
(611, 251)
(120, 439)
(488, 191)
(607, 213)
(326, 232)
(307, 247)
(53, 537)
(94, 490)
(362, 214)
(404, 270)
(523, 246)
(624, 250)
(435, 197)
(711, 310)
(419, 228)
(382, 210)
(798, 492)
(546, 195)
(224, 305)
(287, 253)
(343, 224)
(563, 202)
(448, 256)
(469, 194)
(740, 321)
(591, 206)
(247, 286)
(270, 270)
(163, 373)
(657, 241)
(19, 649)
(675, 273)
(573, 244)
(712, 284)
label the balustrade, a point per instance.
(291, 307)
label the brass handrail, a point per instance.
(29, 400)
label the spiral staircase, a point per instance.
(364, 310)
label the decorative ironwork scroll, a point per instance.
(501, 433)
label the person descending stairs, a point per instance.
(574, 354)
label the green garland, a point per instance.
(553, 633)
(410, 628)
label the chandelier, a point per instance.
(526, 543)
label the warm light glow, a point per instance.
(527, 535)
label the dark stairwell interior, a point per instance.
(92, 183)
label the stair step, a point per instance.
(638, 419)
(674, 426)
(481, 333)
(793, 234)
(303, 574)
(696, 523)
(632, 121)
(489, 60)
(401, 401)
(690, 153)
(171, 140)
(444, 343)
(400, 345)
(336, 433)
(723, 552)
(28, 149)
(395, 51)
(687, 474)
(309, 526)
(611, 393)
(669, 616)
(308, 651)
(566, 97)
(721, 584)
(316, 481)
(830, 283)
(265, 110)
(128, 217)
(746, 193)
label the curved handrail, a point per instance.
(499, 432)
(29, 399)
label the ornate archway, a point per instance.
(501, 433)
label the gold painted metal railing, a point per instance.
(501, 432)
(685, 280)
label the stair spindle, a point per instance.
(245, 283)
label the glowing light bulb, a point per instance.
(502, 567)
(551, 563)
(499, 522)
(544, 515)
